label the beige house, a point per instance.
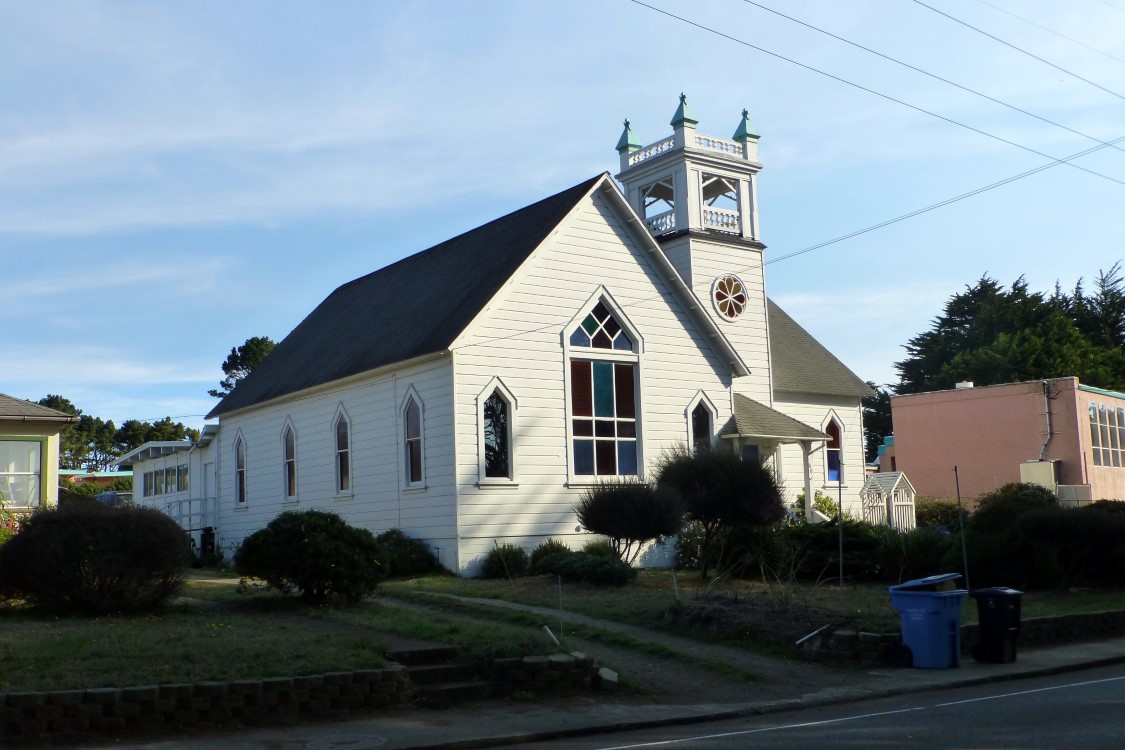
(29, 454)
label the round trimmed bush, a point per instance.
(505, 561)
(547, 549)
(404, 556)
(314, 553)
(90, 558)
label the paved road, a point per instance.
(1076, 710)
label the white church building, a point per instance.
(469, 393)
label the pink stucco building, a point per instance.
(1055, 432)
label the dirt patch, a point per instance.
(755, 619)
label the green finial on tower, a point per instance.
(683, 115)
(746, 129)
(628, 142)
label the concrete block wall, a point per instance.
(72, 715)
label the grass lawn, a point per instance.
(643, 602)
(229, 632)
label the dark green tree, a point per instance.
(72, 449)
(989, 334)
(876, 419)
(241, 361)
(725, 495)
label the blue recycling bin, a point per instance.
(930, 613)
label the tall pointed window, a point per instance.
(289, 443)
(412, 440)
(343, 456)
(700, 428)
(603, 397)
(497, 436)
(833, 452)
(239, 470)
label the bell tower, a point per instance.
(697, 196)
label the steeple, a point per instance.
(693, 182)
(683, 116)
(628, 142)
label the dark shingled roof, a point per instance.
(801, 364)
(16, 409)
(758, 420)
(408, 309)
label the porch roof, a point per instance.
(752, 419)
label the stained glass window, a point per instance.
(239, 470)
(700, 428)
(604, 410)
(600, 330)
(412, 429)
(290, 442)
(343, 456)
(730, 296)
(834, 451)
(497, 437)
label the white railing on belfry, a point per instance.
(722, 145)
(661, 223)
(722, 219)
(656, 149)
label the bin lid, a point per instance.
(925, 584)
(1001, 591)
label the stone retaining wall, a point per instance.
(870, 649)
(554, 673)
(69, 715)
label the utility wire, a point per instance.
(1113, 5)
(927, 73)
(872, 91)
(1020, 49)
(841, 238)
(1049, 30)
(939, 204)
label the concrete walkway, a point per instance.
(489, 725)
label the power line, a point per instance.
(865, 230)
(1020, 49)
(927, 73)
(1113, 5)
(1050, 31)
(872, 91)
(939, 204)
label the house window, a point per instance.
(289, 442)
(1107, 434)
(170, 484)
(21, 466)
(497, 437)
(604, 409)
(150, 485)
(412, 439)
(343, 456)
(182, 477)
(700, 428)
(240, 470)
(833, 451)
(158, 476)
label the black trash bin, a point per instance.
(999, 613)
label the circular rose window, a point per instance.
(729, 295)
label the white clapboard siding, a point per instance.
(814, 411)
(519, 338)
(377, 501)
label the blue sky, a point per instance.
(178, 177)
